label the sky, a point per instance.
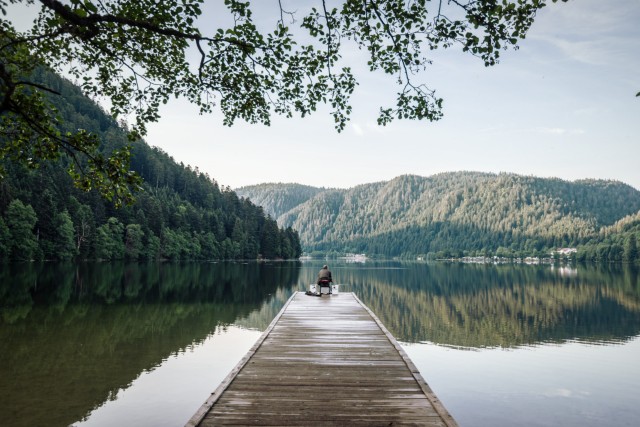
(563, 106)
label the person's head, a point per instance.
(325, 267)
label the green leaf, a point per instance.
(90, 7)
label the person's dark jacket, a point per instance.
(324, 274)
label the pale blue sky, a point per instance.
(562, 106)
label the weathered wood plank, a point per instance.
(324, 361)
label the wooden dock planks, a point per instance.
(324, 362)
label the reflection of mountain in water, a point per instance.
(480, 306)
(72, 335)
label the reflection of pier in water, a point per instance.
(324, 361)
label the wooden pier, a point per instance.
(324, 362)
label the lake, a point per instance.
(102, 344)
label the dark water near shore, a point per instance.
(145, 344)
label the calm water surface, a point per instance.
(144, 344)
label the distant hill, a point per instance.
(276, 199)
(457, 212)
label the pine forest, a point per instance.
(180, 213)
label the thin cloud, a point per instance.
(592, 52)
(357, 129)
(375, 127)
(560, 131)
(591, 31)
(368, 128)
(563, 392)
(539, 130)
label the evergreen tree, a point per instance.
(171, 245)
(5, 240)
(152, 248)
(210, 246)
(269, 245)
(631, 249)
(63, 243)
(109, 241)
(133, 241)
(102, 244)
(46, 212)
(230, 250)
(239, 238)
(294, 240)
(21, 220)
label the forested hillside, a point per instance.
(618, 242)
(276, 199)
(180, 214)
(461, 213)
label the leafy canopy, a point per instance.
(137, 54)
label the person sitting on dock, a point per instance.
(324, 276)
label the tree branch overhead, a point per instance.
(136, 55)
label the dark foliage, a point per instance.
(181, 213)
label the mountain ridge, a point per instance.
(451, 211)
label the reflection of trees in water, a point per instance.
(260, 319)
(22, 285)
(69, 363)
(486, 305)
(72, 335)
